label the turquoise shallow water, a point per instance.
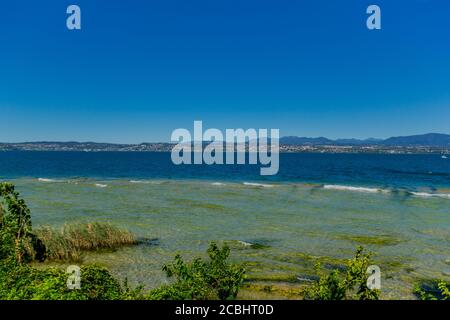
(318, 208)
(293, 220)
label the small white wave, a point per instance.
(251, 184)
(378, 190)
(146, 181)
(350, 188)
(305, 279)
(46, 180)
(431, 195)
(101, 185)
(246, 244)
(217, 184)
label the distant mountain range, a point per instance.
(431, 140)
(423, 140)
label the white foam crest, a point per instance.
(101, 185)
(378, 190)
(252, 184)
(47, 180)
(217, 184)
(146, 181)
(246, 244)
(431, 195)
(351, 188)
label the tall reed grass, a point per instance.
(69, 242)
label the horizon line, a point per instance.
(173, 142)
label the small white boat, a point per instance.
(444, 156)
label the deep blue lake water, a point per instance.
(378, 170)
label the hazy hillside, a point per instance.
(426, 140)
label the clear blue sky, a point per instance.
(139, 69)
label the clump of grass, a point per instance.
(71, 240)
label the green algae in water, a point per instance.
(299, 226)
(273, 277)
(199, 204)
(378, 240)
(308, 260)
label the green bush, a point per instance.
(433, 290)
(202, 280)
(22, 282)
(17, 241)
(348, 285)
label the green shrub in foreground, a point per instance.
(348, 285)
(22, 282)
(17, 240)
(202, 280)
(433, 290)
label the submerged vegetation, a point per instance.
(380, 240)
(211, 278)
